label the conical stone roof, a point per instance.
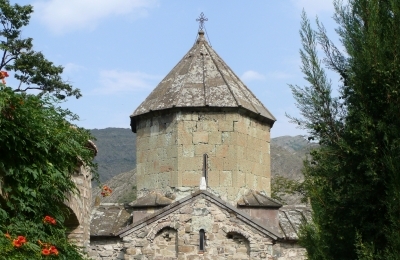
(202, 79)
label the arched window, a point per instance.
(202, 234)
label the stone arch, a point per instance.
(158, 228)
(237, 230)
(78, 207)
(164, 243)
(72, 221)
(239, 244)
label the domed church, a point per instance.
(203, 173)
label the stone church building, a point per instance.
(203, 174)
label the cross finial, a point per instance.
(201, 20)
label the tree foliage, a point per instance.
(281, 187)
(353, 179)
(40, 148)
(29, 67)
(40, 151)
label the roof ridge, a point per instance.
(222, 75)
(196, 50)
(230, 71)
(182, 202)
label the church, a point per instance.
(203, 174)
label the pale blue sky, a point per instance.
(117, 51)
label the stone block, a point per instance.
(266, 185)
(225, 178)
(190, 164)
(189, 126)
(163, 179)
(183, 116)
(215, 137)
(230, 138)
(171, 151)
(191, 178)
(262, 135)
(207, 126)
(241, 139)
(238, 179)
(215, 163)
(200, 137)
(240, 153)
(259, 169)
(213, 178)
(200, 149)
(161, 153)
(230, 164)
(186, 249)
(245, 165)
(221, 151)
(232, 117)
(250, 181)
(240, 127)
(225, 126)
(174, 181)
(184, 137)
(187, 150)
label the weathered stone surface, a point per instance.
(176, 234)
(78, 223)
(201, 79)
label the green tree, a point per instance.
(40, 149)
(30, 68)
(353, 179)
(282, 187)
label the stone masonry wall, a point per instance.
(106, 249)
(170, 152)
(289, 251)
(80, 205)
(176, 236)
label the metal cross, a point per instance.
(201, 20)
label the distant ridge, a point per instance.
(117, 151)
(117, 160)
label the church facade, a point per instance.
(203, 174)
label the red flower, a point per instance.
(53, 250)
(49, 220)
(106, 191)
(17, 243)
(21, 239)
(3, 74)
(45, 251)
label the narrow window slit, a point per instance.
(202, 240)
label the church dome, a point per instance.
(202, 79)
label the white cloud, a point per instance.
(279, 75)
(251, 75)
(314, 7)
(114, 81)
(62, 16)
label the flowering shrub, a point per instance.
(3, 74)
(48, 249)
(39, 152)
(49, 220)
(106, 191)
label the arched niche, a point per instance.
(239, 244)
(165, 243)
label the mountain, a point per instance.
(117, 151)
(116, 161)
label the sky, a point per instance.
(116, 52)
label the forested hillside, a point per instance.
(117, 152)
(117, 160)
